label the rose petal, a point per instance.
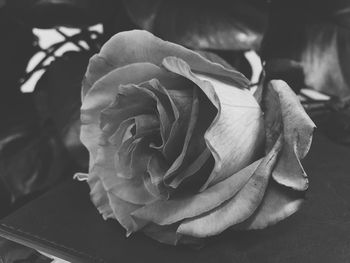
(111, 206)
(237, 209)
(141, 46)
(99, 198)
(141, 156)
(165, 212)
(104, 93)
(167, 110)
(196, 145)
(156, 168)
(278, 203)
(285, 114)
(97, 68)
(122, 211)
(236, 134)
(194, 167)
(131, 190)
(168, 235)
(185, 102)
(130, 101)
(122, 133)
(122, 159)
(192, 120)
(163, 234)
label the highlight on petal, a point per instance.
(284, 114)
(99, 198)
(239, 207)
(104, 92)
(139, 46)
(165, 212)
(131, 190)
(278, 203)
(236, 134)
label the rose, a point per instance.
(179, 147)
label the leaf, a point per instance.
(31, 157)
(239, 207)
(52, 13)
(308, 47)
(16, 48)
(57, 97)
(322, 58)
(229, 25)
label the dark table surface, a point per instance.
(64, 223)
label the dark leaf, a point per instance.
(51, 13)
(17, 45)
(31, 157)
(222, 25)
(308, 46)
(58, 99)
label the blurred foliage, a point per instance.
(307, 44)
(71, 13)
(218, 25)
(17, 46)
(225, 27)
(58, 99)
(32, 159)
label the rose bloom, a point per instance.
(181, 149)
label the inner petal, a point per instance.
(197, 153)
(130, 101)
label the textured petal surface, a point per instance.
(131, 190)
(177, 142)
(171, 211)
(141, 46)
(100, 198)
(237, 132)
(278, 203)
(284, 114)
(240, 207)
(104, 93)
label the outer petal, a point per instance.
(236, 134)
(100, 198)
(103, 93)
(278, 203)
(131, 190)
(237, 209)
(110, 206)
(122, 210)
(141, 46)
(168, 235)
(171, 211)
(284, 114)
